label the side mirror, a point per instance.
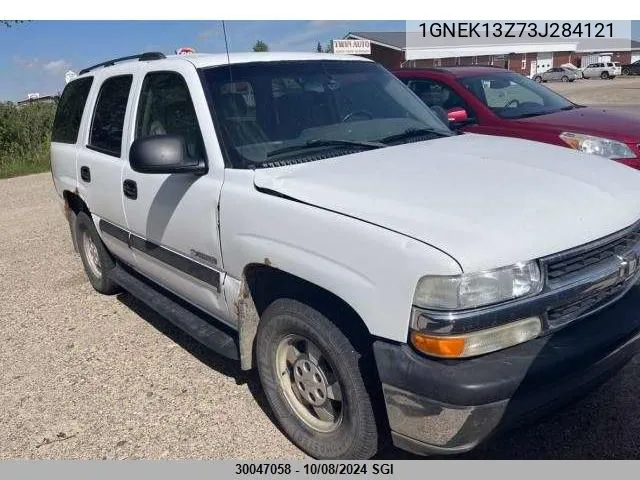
(457, 115)
(163, 154)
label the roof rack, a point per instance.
(142, 57)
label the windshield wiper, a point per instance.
(530, 114)
(414, 132)
(321, 142)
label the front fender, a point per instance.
(372, 269)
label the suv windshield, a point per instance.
(510, 95)
(278, 113)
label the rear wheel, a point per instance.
(96, 259)
(626, 71)
(565, 79)
(313, 379)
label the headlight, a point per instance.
(471, 290)
(597, 145)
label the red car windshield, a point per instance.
(510, 95)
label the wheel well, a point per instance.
(75, 203)
(267, 284)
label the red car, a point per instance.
(495, 101)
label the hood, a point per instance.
(617, 125)
(486, 201)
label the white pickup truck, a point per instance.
(309, 216)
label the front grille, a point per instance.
(574, 264)
(598, 264)
(584, 304)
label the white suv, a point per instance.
(604, 70)
(309, 216)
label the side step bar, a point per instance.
(191, 323)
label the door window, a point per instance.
(436, 95)
(108, 117)
(166, 108)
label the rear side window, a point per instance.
(108, 117)
(69, 112)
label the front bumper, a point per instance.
(449, 406)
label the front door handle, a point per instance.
(85, 174)
(130, 189)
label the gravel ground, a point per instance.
(619, 91)
(86, 376)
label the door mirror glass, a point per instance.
(163, 154)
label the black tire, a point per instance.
(604, 75)
(565, 79)
(538, 79)
(626, 71)
(356, 435)
(84, 227)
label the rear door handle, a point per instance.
(85, 174)
(130, 189)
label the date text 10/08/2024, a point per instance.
(314, 469)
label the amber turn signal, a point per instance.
(477, 343)
(448, 347)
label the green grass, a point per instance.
(25, 164)
(25, 135)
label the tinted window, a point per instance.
(108, 117)
(166, 108)
(69, 112)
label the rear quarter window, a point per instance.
(66, 123)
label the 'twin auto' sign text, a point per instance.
(352, 47)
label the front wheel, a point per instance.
(604, 75)
(565, 79)
(312, 377)
(538, 79)
(626, 72)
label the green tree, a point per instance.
(329, 47)
(260, 46)
(319, 48)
